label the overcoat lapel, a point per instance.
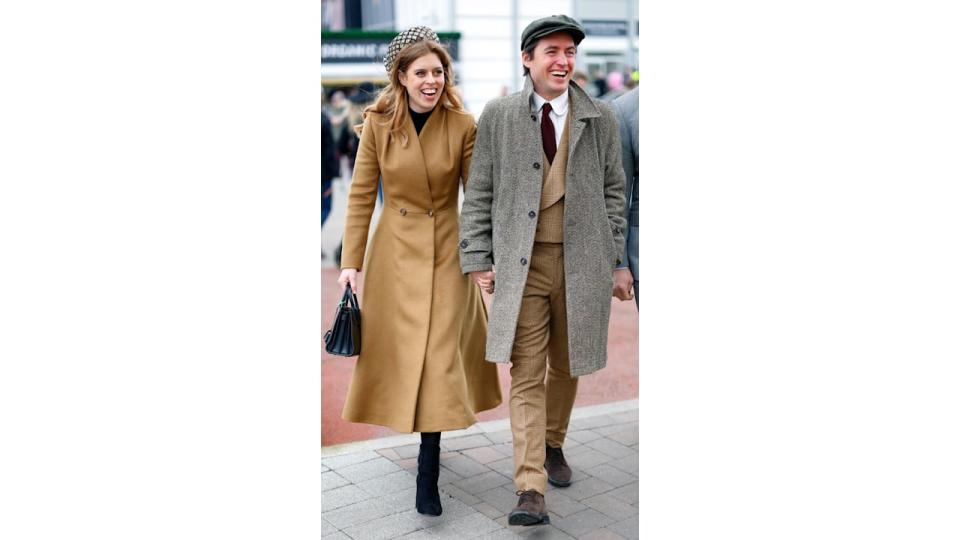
(417, 159)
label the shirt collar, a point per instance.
(558, 104)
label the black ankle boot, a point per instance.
(428, 472)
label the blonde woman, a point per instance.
(421, 366)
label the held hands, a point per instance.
(349, 275)
(623, 284)
(485, 280)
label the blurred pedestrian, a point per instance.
(542, 225)
(627, 109)
(421, 367)
(329, 167)
(614, 86)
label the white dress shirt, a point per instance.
(558, 114)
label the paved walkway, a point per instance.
(368, 486)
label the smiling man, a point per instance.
(542, 228)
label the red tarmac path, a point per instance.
(616, 382)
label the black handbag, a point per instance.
(343, 339)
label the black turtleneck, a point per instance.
(419, 119)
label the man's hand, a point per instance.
(485, 280)
(623, 284)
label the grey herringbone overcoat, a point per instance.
(499, 217)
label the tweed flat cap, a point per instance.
(548, 25)
(408, 36)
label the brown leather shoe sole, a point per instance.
(525, 518)
(559, 483)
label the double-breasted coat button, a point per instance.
(430, 212)
(463, 244)
(523, 262)
(536, 165)
(403, 211)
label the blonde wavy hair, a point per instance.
(393, 101)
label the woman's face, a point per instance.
(423, 80)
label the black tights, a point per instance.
(430, 439)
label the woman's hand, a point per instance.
(349, 275)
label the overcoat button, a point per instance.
(430, 212)
(523, 262)
(532, 214)
(463, 244)
(536, 165)
(403, 211)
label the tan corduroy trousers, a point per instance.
(540, 411)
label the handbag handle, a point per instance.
(349, 298)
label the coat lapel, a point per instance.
(581, 108)
(429, 138)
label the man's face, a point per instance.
(552, 64)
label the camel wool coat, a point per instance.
(421, 366)
(501, 208)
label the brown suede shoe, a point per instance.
(530, 510)
(558, 472)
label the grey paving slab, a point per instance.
(583, 522)
(389, 483)
(611, 475)
(501, 498)
(343, 496)
(459, 494)
(422, 534)
(384, 528)
(331, 480)
(483, 454)
(630, 463)
(323, 468)
(586, 488)
(503, 466)
(336, 536)
(446, 476)
(629, 493)
(326, 528)
(463, 466)
(587, 459)
(602, 534)
(389, 453)
(357, 513)
(482, 482)
(628, 528)
(593, 422)
(452, 509)
(462, 443)
(628, 437)
(378, 466)
(504, 448)
(408, 463)
(498, 437)
(611, 506)
(400, 501)
(338, 462)
(611, 448)
(583, 435)
(487, 509)
(613, 428)
(470, 526)
(502, 534)
(535, 532)
(407, 451)
(562, 505)
(628, 416)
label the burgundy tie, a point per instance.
(548, 134)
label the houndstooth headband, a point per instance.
(408, 36)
